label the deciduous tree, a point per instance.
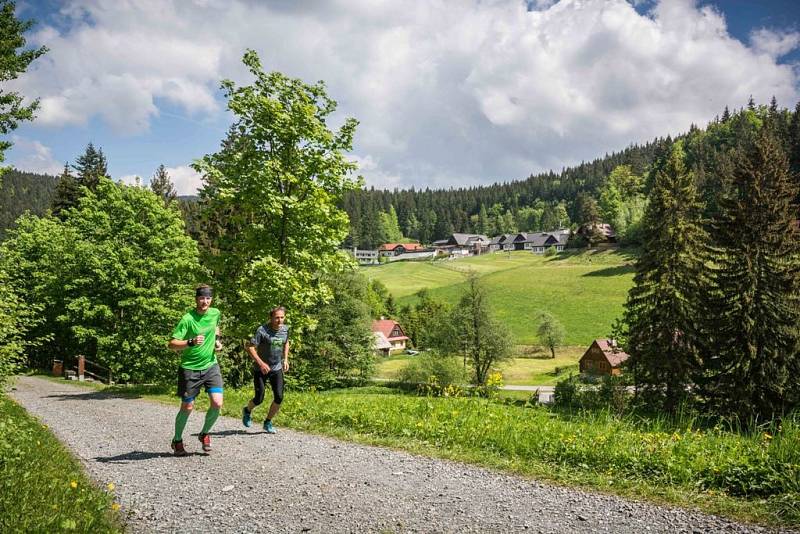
(276, 183)
(14, 60)
(551, 332)
(475, 334)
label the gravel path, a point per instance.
(295, 482)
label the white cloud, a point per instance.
(185, 179)
(447, 93)
(31, 155)
(774, 43)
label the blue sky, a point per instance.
(447, 93)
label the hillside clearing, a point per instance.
(585, 291)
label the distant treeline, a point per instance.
(427, 215)
(24, 191)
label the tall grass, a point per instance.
(42, 486)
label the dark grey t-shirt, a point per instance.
(269, 345)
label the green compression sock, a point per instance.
(211, 418)
(180, 424)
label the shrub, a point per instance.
(601, 392)
(492, 386)
(434, 372)
(565, 393)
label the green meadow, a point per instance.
(585, 290)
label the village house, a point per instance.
(395, 249)
(392, 332)
(463, 244)
(502, 242)
(603, 357)
(537, 242)
(365, 257)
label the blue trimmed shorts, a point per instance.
(190, 381)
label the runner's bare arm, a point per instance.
(251, 350)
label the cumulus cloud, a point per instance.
(447, 93)
(31, 155)
(774, 43)
(185, 179)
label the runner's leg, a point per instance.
(214, 388)
(276, 382)
(259, 388)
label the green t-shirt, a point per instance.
(192, 324)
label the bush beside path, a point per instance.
(296, 482)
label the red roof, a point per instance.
(407, 246)
(614, 355)
(385, 327)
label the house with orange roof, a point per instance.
(392, 332)
(395, 249)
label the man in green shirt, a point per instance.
(196, 337)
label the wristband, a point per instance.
(191, 342)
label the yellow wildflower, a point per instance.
(111, 486)
(767, 436)
(73, 484)
(115, 507)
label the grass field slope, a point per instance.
(584, 290)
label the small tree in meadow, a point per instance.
(551, 332)
(479, 338)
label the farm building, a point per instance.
(603, 357)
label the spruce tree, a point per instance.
(162, 186)
(663, 305)
(752, 362)
(67, 193)
(794, 141)
(91, 167)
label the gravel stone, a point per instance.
(297, 482)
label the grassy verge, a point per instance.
(749, 477)
(42, 486)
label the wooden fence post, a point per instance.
(81, 366)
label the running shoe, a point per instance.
(177, 448)
(246, 419)
(268, 428)
(205, 439)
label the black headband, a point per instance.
(203, 292)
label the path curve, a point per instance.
(296, 482)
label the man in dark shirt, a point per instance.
(269, 349)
